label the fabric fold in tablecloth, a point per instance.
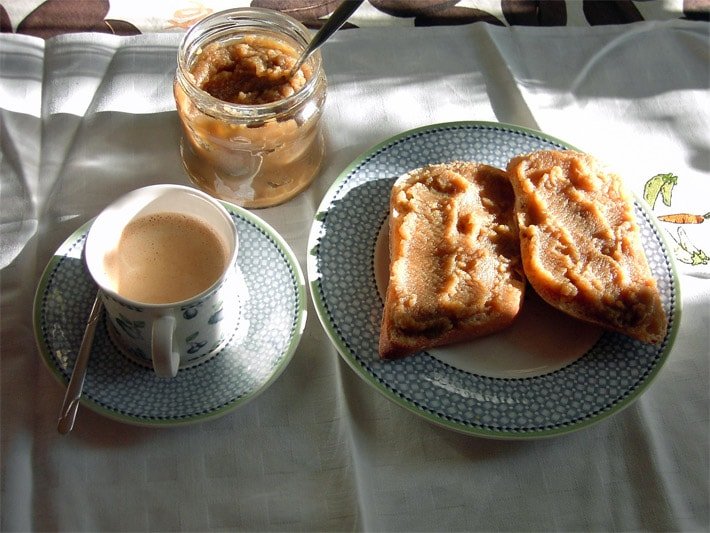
(615, 98)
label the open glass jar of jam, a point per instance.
(251, 131)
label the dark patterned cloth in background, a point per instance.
(53, 17)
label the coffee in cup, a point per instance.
(164, 258)
(154, 245)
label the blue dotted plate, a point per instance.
(273, 316)
(572, 392)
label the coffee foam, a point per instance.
(166, 257)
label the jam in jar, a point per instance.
(251, 128)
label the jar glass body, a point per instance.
(253, 155)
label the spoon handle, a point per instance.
(76, 384)
(337, 19)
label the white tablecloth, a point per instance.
(88, 117)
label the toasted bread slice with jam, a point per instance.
(455, 268)
(581, 244)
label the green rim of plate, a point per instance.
(348, 332)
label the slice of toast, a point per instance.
(581, 244)
(455, 268)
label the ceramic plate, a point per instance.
(546, 375)
(273, 316)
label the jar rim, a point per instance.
(242, 20)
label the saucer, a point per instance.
(273, 309)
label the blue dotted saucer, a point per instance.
(273, 317)
(607, 375)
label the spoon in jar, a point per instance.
(334, 22)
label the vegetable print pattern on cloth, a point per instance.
(690, 238)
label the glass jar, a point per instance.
(250, 152)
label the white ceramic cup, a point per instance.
(167, 336)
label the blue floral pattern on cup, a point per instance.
(208, 324)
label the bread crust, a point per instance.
(581, 244)
(455, 268)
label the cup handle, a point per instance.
(165, 359)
